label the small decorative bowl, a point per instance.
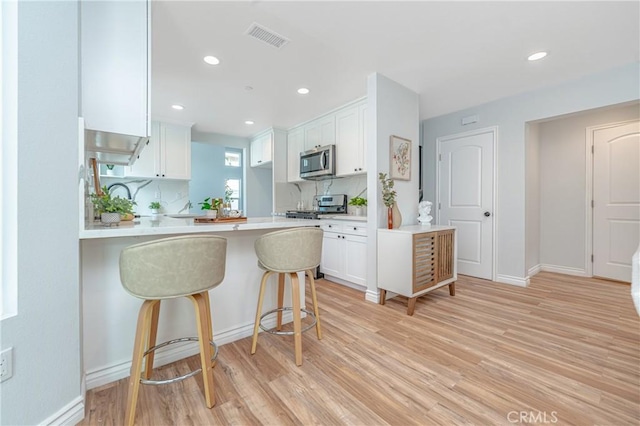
(235, 213)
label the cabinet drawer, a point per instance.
(331, 227)
(354, 229)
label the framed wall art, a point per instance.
(400, 158)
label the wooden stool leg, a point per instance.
(452, 289)
(280, 300)
(314, 298)
(151, 342)
(204, 338)
(412, 305)
(256, 326)
(297, 333)
(144, 322)
(383, 296)
(205, 294)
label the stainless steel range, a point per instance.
(323, 205)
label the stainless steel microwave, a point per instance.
(318, 163)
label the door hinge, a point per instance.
(439, 157)
(591, 258)
(438, 206)
(592, 204)
(592, 149)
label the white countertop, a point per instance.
(344, 217)
(418, 229)
(163, 225)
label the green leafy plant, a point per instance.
(358, 201)
(388, 193)
(211, 204)
(155, 205)
(110, 166)
(106, 204)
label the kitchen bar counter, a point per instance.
(165, 225)
(109, 313)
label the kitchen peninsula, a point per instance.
(109, 313)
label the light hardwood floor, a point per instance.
(565, 350)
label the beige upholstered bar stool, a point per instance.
(288, 252)
(186, 266)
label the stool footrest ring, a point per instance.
(288, 333)
(179, 378)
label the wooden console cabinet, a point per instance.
(414, 260)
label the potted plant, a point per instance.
(211, 206)
(359, 204)
(111, 209)
(155, 207)
(389, 199)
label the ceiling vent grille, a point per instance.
(265, 35)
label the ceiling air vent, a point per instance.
(265, 35)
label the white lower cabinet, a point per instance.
(344, 252)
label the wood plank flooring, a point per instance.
(564, 350)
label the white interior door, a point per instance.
(466, 185)
(616, 197)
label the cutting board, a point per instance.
(219, 219)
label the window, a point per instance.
(233, 171)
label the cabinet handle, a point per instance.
(157, 175)
(162, 175)
(259, 161)
(355, 229)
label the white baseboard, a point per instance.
(372, 296)
(345, 283)
(564, 270)
(71, 414)
(517, 281)
(534, 270)
(171, 353)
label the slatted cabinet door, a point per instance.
(445, 251)
(424, 261)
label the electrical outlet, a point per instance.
(6, 364)
(158, 195)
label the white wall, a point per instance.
(563, 186)
(259, 182)
(532, 199)
(393, 110)
(511, 115)
(45, 334)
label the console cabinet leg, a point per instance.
(412, 305)
(383, 296)
(452, 289)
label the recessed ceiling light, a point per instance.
(178, 107)
(303, 90)
(211, 60)
(249, 122)
(537, 55)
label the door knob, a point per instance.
(487, 214)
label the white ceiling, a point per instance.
(453, 54)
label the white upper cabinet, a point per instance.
(320, 132)
(115, 58)
(295, 145)
(262, 150)
(167, 154)
(350, 140)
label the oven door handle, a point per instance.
(323, 160)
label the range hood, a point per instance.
(113, 148)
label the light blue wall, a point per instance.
(45, 335)
(258, 181)
(207, 173)
(511, 115)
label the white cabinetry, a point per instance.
(114, 49)
(351, 140)
(320, 132)
(416, 259)
(344, 252)
(262, 149)
(295, 145)
(167, 154)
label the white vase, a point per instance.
(359, 211)
(110, 218)
(212, 213)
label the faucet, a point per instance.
(122, 185)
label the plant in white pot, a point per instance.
(111, 209)
(155, 207)
(359, 203)
(211, 206)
